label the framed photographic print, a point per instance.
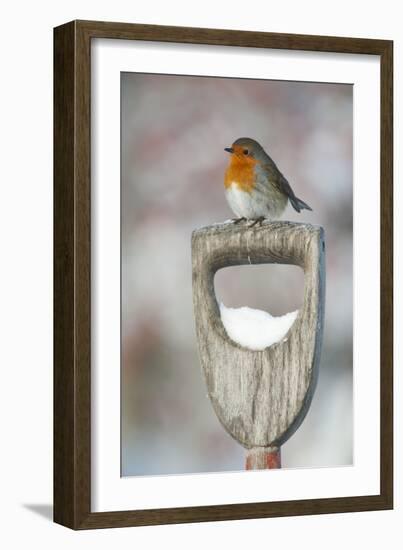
(222, 274)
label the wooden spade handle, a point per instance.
(260, 397)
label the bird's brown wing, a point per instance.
(280, 183)
(267, 172)
(284, 187)
(277, 179)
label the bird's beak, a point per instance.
(229, 149)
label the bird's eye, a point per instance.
(245, 152)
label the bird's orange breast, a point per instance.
(241, 171)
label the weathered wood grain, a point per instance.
(260, 397)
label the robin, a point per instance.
(254, 186)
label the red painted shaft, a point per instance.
(263, 458)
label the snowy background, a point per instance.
(174, 130)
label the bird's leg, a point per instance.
(237, 220)
(258, 221)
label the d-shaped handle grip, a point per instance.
(260, 397)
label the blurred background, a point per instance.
(174, 130)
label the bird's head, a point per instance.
(246, 150)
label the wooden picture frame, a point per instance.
(72, 271)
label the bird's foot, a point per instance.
(237, 220)
(259, 221)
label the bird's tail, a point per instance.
(299, 205)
